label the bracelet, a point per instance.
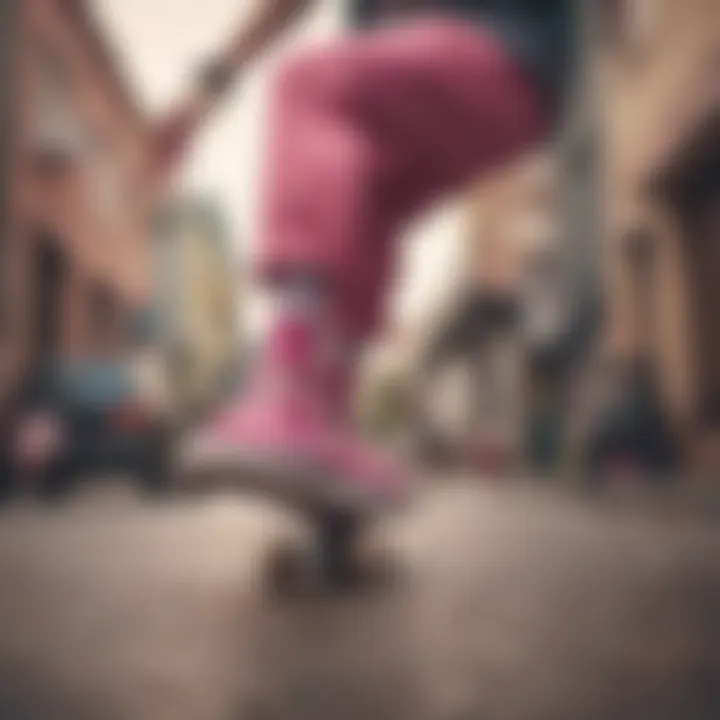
(215, 77)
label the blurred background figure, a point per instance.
(199, 297)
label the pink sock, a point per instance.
(304, 337)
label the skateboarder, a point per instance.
(365, 133)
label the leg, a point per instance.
(364, 134)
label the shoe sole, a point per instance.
(292, 481)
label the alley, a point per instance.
(503, 603)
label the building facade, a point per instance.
(661, 249)
(75, 243)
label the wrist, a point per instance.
(214, 77)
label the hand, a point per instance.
(216, 77)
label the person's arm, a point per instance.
(171, 136)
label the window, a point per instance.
(105, 165)
(49, 286)
(641, 260)
(56, 126)
(104, 316)
(703, 247)
(632, 25)
(52, 76)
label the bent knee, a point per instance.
(321, 75)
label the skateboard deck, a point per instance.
(328, 556)
(336, 512)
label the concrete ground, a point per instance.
(504, 604)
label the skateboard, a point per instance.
(337, 514)
(329, 556)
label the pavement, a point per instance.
(504, 603)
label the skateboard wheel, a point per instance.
(337, 545)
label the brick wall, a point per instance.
(652, 85)
(76, 180)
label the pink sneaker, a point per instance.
(284, 437)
